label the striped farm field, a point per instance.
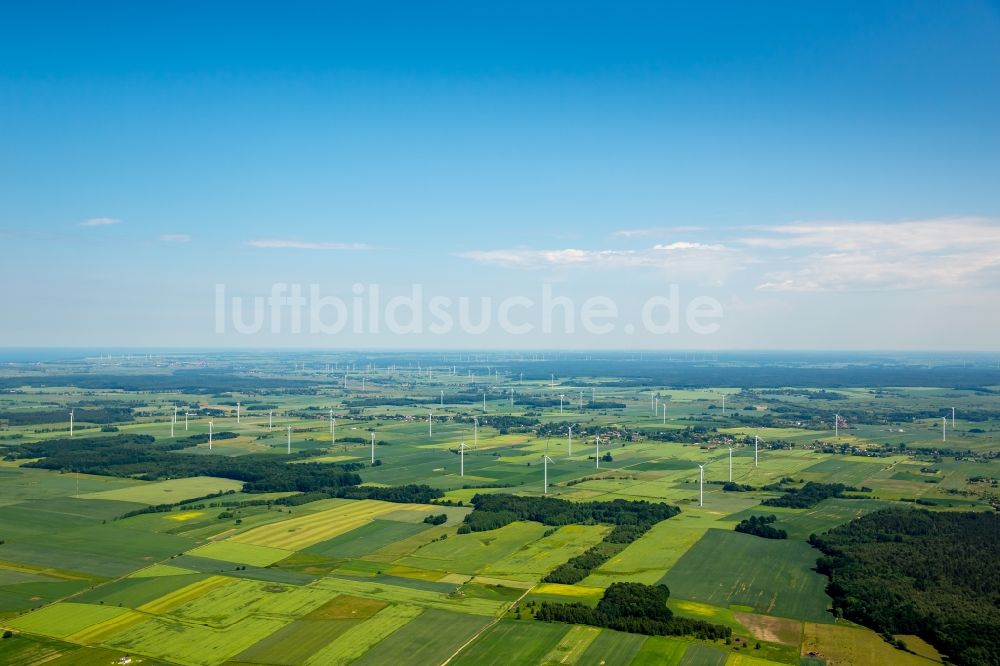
(102, 631)
(191, 643)
(305, 531)
(359, 639)
(65, 619)
(178, 598)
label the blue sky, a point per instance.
(827, 172)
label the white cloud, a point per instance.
(657, 231)
(175, 238)
(844, 256)
(682, 245)
(279, 244)
(702, 263)
(100, 222)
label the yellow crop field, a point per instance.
(177, 598)
(242, 553)
(102, 631)
(304, 531)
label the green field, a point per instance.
(165, 492)
(774, 577)
(282, 578)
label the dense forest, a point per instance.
(143, 457)
(912, 571)
(632, 607)
(630, 520)
(99, 415)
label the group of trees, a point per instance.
(807, 496)
(630, 520)
(912, 571)
(632, 607)
(143, 457)
(761, 526)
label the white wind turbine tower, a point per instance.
(723, 404)
(730, 464)
(333, 429)
(186, 415)
(430, 425)
(442, 397)
(475, 433)
(461, 457)
(545, 465)
(373, 447)
(570, 441)
(664, 412)
(270, 423)
(561, 396)
(289, 441)
(484, 402)
(70, 422)
(597, 458)
(836, 425)
(172, 422)
(944, 423)
(756, 443)
(656, 406)
(952, 418)
(701, 485)
(209, 435)
(237, 412)
(552, 382)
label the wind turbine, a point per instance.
(237, 412)
(484, 402)
(952, 418)
(172, 421)
(552, 383)
(723, 404)
(664, 412)
(461, 456)
(209, 435)
(701, 485)
(373, 447)
(730, 464)
(430, 425)
(597, 458)
(186, 415)
(71, 423)
(545, 465)
(836, 425)
(475, 432)
(570, 441)
(944, 423)
(756, 442)
(561, 396)
(270, 425)
(333, 429)
(442, 397)
(289, 439)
